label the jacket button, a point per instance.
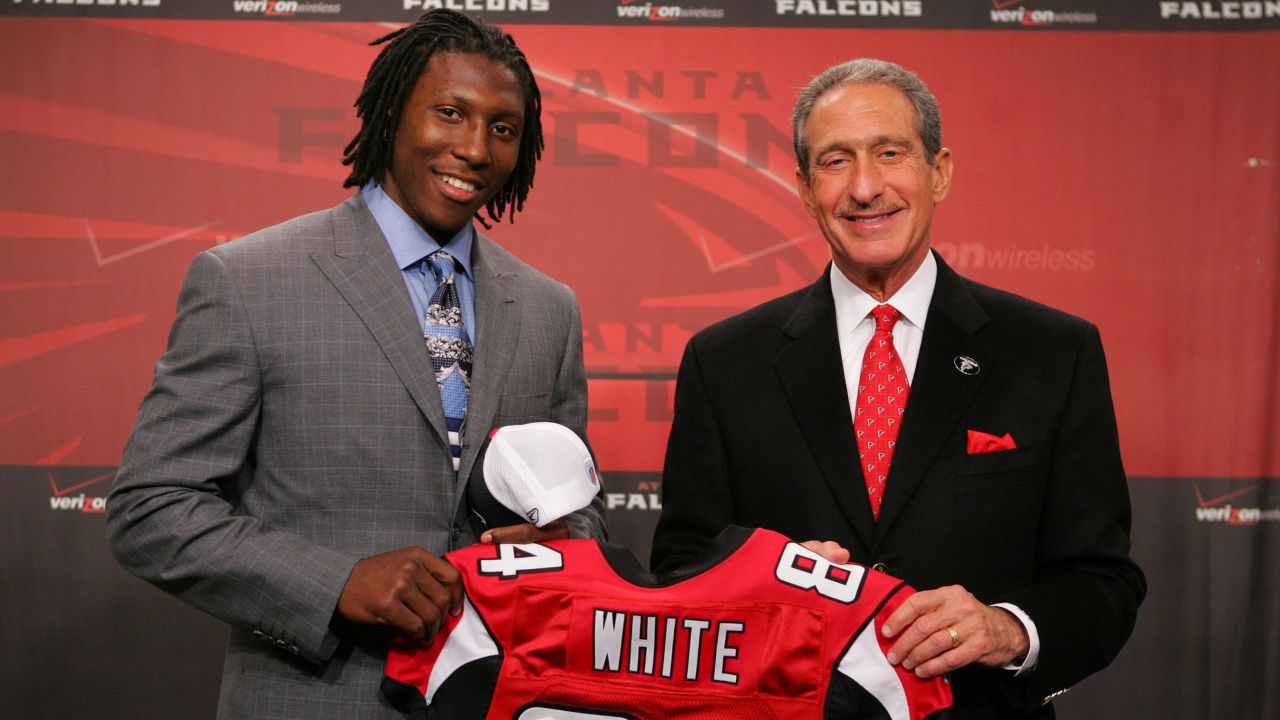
(457, 531)
(880, 568)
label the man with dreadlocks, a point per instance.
(301, 461)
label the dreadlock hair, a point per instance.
(396, 70)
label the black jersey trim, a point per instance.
(625, 565)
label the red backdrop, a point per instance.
(1129, 177)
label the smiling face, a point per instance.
(457, 141)
(870, 186)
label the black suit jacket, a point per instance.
(763, 437)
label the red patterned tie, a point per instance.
(882, 399)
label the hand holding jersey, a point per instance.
(409, 589)
(941, 630)
(828, 549)
(534, 474)
(944, 629)
(756, 627)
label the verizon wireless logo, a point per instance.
(979, 256)
(655, 12)
(285, 8)
(1003, 12)
(1220, 509)
(72, 498)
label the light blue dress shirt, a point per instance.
(410, 244)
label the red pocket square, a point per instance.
(980, 442)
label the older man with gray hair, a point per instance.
(957, 436)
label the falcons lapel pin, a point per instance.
(967, 365)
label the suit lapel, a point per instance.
(498, 313)
(812, 376)
(365, 272)
(940, 393)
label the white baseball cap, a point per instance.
(540, 471)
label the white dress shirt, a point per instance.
(855, 326)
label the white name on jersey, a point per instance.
(635, 637)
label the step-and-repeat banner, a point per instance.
(1117, 160)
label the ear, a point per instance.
(942, 167)
(805, 191)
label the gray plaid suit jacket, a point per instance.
(294, 427)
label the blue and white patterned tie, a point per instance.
(449, 347)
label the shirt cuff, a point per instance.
(1028, 663)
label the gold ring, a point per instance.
(955, 637)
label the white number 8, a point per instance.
(807, 570)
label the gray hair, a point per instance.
(869, 71)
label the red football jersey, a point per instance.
(575, 630)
